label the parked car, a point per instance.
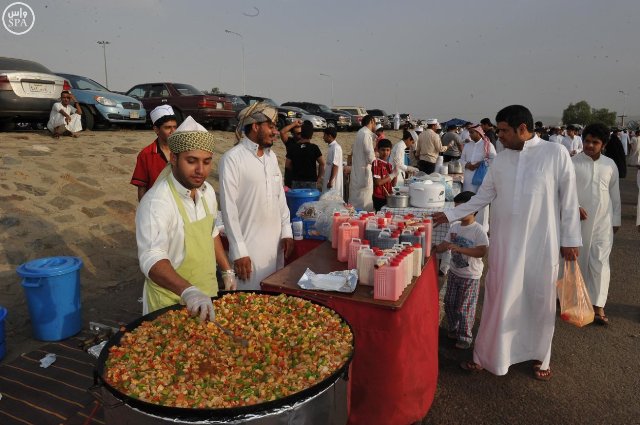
(404, 119)
(237, 103)
(334, 119)
(357, 112)
(318, 122)
(207, 109)
(99, 105)
(381, 117)
(286, 115)
(28, 90)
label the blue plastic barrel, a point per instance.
(297, 197)
(3, 345)
(52, 288)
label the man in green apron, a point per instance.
(178, 243)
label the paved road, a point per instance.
(596, 370)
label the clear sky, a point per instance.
(430, 58)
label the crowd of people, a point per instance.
(552, 199)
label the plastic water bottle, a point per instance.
(298, 228)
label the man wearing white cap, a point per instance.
(429, 147)
(152, 159)
(175, 229)
(254, 207)
(409, 139)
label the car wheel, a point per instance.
(87, 119)
(331, 124)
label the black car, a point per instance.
(285, 115)
(340, 120)
(381, 117)
(28, 90)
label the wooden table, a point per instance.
(395, 365)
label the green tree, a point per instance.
(582, 113)
(604, 116)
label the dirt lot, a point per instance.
(73, 197)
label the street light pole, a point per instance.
(244, 89)
(327, 75)
(623, 116)
(104, 43)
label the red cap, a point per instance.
(409, 250)
(388, 214)
(379, 253)
(417, 245)
(421, 229)
(394, 263)
(364, 242)
(336, 214)
(426, 220)
(417, 233)
(395, 234)
(401, 225)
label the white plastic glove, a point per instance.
(198, 303)
(229, 279)
(412, 169)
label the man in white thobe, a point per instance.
(254, 207)
(600, 212)
(409, 139)
(362, 156)
(624, 139)
(333, 176)
(64, 118)
(534, 219)
(572, 141)
(477, 150)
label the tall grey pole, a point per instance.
(330, 77)
(104, 43)
(244, 88)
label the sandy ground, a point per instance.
(73, 197)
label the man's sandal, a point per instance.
(471, 367)
(542, 375)
(601, 319)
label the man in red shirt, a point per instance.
(152, 159)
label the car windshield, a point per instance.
(9, 64)
(324, 108)
(296, 109)
(349, 111)
(237, 101)
(187, 90)
(81, 83)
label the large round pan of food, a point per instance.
(170, 364)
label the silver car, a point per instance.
(319, 123)
(28, 90)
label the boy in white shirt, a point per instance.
(468, 243)
(332, 178)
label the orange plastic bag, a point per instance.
(575, 305)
